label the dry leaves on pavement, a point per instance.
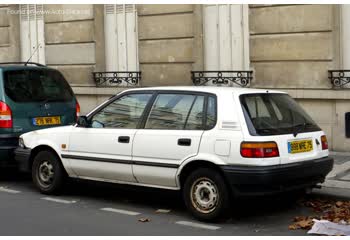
(325, 209)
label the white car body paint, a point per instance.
(151, 148)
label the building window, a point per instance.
(226, 37)
(121, 42)
(32, 33)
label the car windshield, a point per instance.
(275, 114)
(37, 86)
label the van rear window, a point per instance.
(37, 86)
(275, 114)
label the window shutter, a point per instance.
(32, 33)
(225, 42)
(121, 37)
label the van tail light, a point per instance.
(259, 149)
(77, 110)
(324, 142)
(5, 116)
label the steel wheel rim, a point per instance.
(45, 173)
(204, 195)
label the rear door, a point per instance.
(278, 118)
(172, 133)
(38, 98)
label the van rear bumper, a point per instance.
(263, 180)
(8, 143)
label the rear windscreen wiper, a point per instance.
(300, 128)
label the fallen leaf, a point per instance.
(144, 220)
(339, 203)
(293, 227)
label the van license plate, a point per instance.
(300, 146)
(42, 121)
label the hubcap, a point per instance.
(204, 195)
(46, 173)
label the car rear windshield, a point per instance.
(37, 86)
(275, 114)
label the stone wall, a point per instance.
(9, 34)
(166, 40)
(70, 42)
(292, 46)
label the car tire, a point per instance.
(206, 195)
(47, 172)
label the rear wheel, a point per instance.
(206, 195)
(47, 172)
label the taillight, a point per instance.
(324, 142)
(259, 149)
(77, 110)
(5, 116)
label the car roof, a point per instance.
(21, 65)
(210, 89)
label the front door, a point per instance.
(172, 133)
(103, 150)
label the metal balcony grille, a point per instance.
(339, 78)
(241, 78)
(116, 79)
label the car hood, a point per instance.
(61, 129)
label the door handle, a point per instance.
(184, 142)
(124, 139)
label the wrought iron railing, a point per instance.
(339, 78)
(241, 78)
(111, 79)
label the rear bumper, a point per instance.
(262, 180)
(8, 143)
(22, 157)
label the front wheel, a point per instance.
(206, 195)
(47, 172)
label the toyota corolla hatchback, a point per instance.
(213, 144)
(32, 97)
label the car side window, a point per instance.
(211, 113)
(170, 111)
(195, 117)
(124, 112)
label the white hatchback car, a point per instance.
(212, 143)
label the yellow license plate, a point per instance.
(300, 146)
(42, 121)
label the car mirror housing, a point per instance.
(82, 121)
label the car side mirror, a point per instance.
(83, 121)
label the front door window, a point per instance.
(125, 112)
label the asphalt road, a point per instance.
(87, 208)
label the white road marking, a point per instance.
(121, 211)
(3, 189)
(163, 211)
(198, 225)
(58, 200)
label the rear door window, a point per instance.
(37, 86)
(170, 111)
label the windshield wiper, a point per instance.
(300, 128)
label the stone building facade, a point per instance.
(288, 47)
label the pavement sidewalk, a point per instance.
(338, 180)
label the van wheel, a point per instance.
(206, 195)
(47, 172)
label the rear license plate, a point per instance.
(42, 121)
(300, 146)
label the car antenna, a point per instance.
(36, 49)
